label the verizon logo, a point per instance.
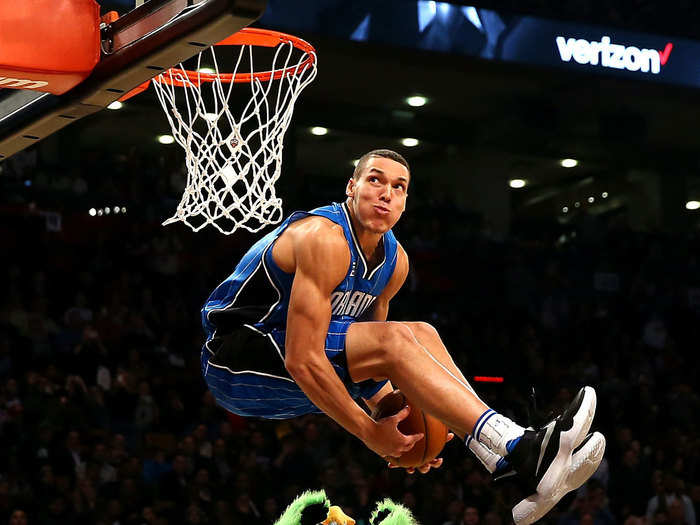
(7, 82)
(617, 56)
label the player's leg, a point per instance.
(585, 459)
(391, 350)
(429, 338)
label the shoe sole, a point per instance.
(584, 463)
(553, 483)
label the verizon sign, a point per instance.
(617, 56)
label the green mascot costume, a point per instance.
(314, 508)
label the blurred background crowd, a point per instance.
(104, 417)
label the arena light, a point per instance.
(517, 183)
(692, 205)
(410, 142)
(565, 209)
(577, 204)
(206, 70)
(604, 194)
(416, 101)
(92, 212)
(166, 139)
(591, 200)
(569, 163)
(115, 105)
(319, 131)
(473, 16)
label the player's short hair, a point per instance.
(384, 153)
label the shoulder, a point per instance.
(310, 242)
(316, 224)
(318, 233)
(318, 244)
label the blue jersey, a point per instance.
(257, 292)
(245, 322)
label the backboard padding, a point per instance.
(183, 29)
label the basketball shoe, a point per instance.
(544, 459)
(585, 461)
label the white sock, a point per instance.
(497, 432)
(487, 456)
(490, 460)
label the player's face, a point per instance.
(378, 196)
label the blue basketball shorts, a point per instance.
(245, 372)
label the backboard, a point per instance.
(135, 47)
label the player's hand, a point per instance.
(423, 469)
(386, 439)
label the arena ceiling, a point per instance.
(529, 118)
(522, 120)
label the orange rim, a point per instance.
(246, 36)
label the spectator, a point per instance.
(174, 484)
(629, 484)
(245, 511)
(470, 516)
(667, 490)
(455, 510)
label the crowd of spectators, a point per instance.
(104, 417)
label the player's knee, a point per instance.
(393, 341)
(422, 329)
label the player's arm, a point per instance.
(321, 258)
(380, 308)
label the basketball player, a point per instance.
(300, 326)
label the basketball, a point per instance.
(417, 421)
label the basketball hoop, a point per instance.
(233, 143)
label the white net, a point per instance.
(232, 135)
